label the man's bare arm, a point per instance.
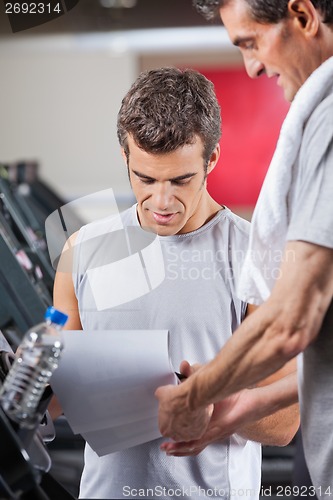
(275, 427)
(64, 299)
(276, 422)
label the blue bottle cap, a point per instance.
(52, 314)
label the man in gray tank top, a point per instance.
(169, 127)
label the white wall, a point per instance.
(59, 105)
(60, 96)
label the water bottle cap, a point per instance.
(55, 316)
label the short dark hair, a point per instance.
(168, 108)
(263, 11)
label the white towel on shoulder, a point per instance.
(269, 221)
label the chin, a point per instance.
(289, 94)
(166, 231)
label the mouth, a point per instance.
(163, 218)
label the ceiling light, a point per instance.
(118, 4)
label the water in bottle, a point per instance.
(36, 359)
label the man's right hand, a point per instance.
(176, 420)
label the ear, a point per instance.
(213, 159)
(304, 16)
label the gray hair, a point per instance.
(263, 11)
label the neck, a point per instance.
(208, 209)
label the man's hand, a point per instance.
(176, 420)
(266, 414)
(227, 417)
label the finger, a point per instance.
(187, 369)
(167, 445)
(172, 446)
(161, 391)
(190, 454)
(186, 452)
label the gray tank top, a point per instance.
(195, 299)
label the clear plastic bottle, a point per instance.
(36, 359)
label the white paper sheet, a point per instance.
(106, 381)
(123, 436)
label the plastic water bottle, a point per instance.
(36, 359)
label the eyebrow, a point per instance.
(239, 40)
(173, 179)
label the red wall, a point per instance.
(252, 114)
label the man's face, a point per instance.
(279, 50)
(170, 188)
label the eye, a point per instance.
(248, 46)
(181, 182)
(147, 181)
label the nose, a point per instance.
(162, 195)
(254, 68)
